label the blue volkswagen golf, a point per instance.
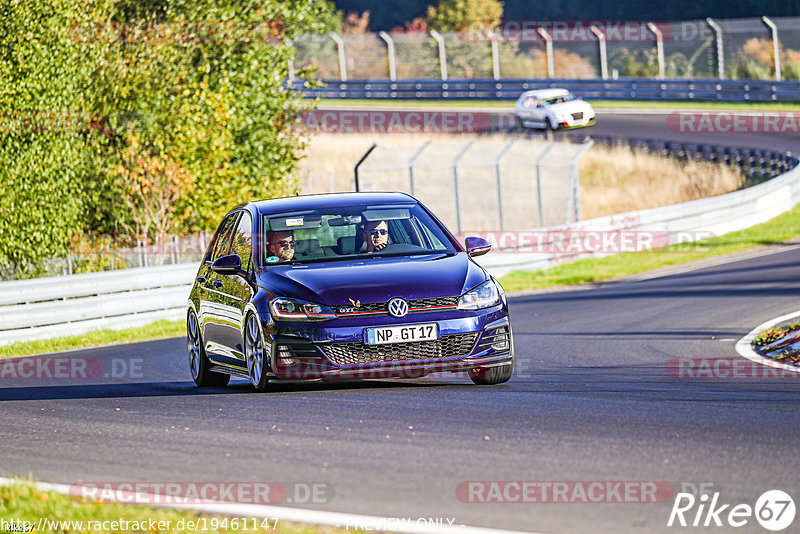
(348, 285)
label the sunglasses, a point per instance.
(284, 244)
(382, 231)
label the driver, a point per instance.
(281, 245)
(375, 235)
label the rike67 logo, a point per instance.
(774, 510)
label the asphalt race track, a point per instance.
(654, 125)
(594, 398)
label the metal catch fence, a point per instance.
(482, 185)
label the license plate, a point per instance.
(401, 334)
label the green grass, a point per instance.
(157, 330)
(777, 230)
(22, 501)
(597, 104)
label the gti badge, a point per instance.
(398, 307)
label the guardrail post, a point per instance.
(548, 45)
(455, 184)
(498, 177)
(342, 58)
(776, 47)
(495, 54)
(601, 39)
(720, 52)
(390, 50)
(659, 48)
(442, 53)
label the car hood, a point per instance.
(375, 279)
(572, 106)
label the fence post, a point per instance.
(548, 43)
(601, 39)
(498, 177)
(720, 51)
(659, 48)
(442, 53)
(342, 58)
(455, 184)
(539, 183)
(355, 169)
(291, 74)
(390, 50)
(575, 182)
(495, 54)
(411, 162)
(776, 47)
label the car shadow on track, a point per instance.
(187, 388)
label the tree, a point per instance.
(461, 15)
(102, 97)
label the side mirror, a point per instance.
(476, 246)
(231, 264)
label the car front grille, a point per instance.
(359, 353)
(414, 306)
(577, 116)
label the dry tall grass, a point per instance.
(613, 180)
(616, 179)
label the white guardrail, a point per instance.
(68, 305)
(71, 305)
(698, 219)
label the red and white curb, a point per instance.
(344, 521)
(745, 349)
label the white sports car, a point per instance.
(552, 109)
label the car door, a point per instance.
(212, 313)
(235, 291)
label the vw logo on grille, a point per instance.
(398, 307)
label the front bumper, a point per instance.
(329, 352)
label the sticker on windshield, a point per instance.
(298, 221)
(273, 259)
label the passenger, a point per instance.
(376, 236)
(281, 245)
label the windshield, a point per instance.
(363, 231)
(560, 99)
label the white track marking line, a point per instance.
(283, 513)
(744, 348)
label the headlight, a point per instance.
(284, 309)
(483, 296)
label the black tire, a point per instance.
(520, 127)
(548, 129)
(489, 376)
(255, 352)
(199, 366)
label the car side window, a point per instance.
(243, 241)
(222, 241)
